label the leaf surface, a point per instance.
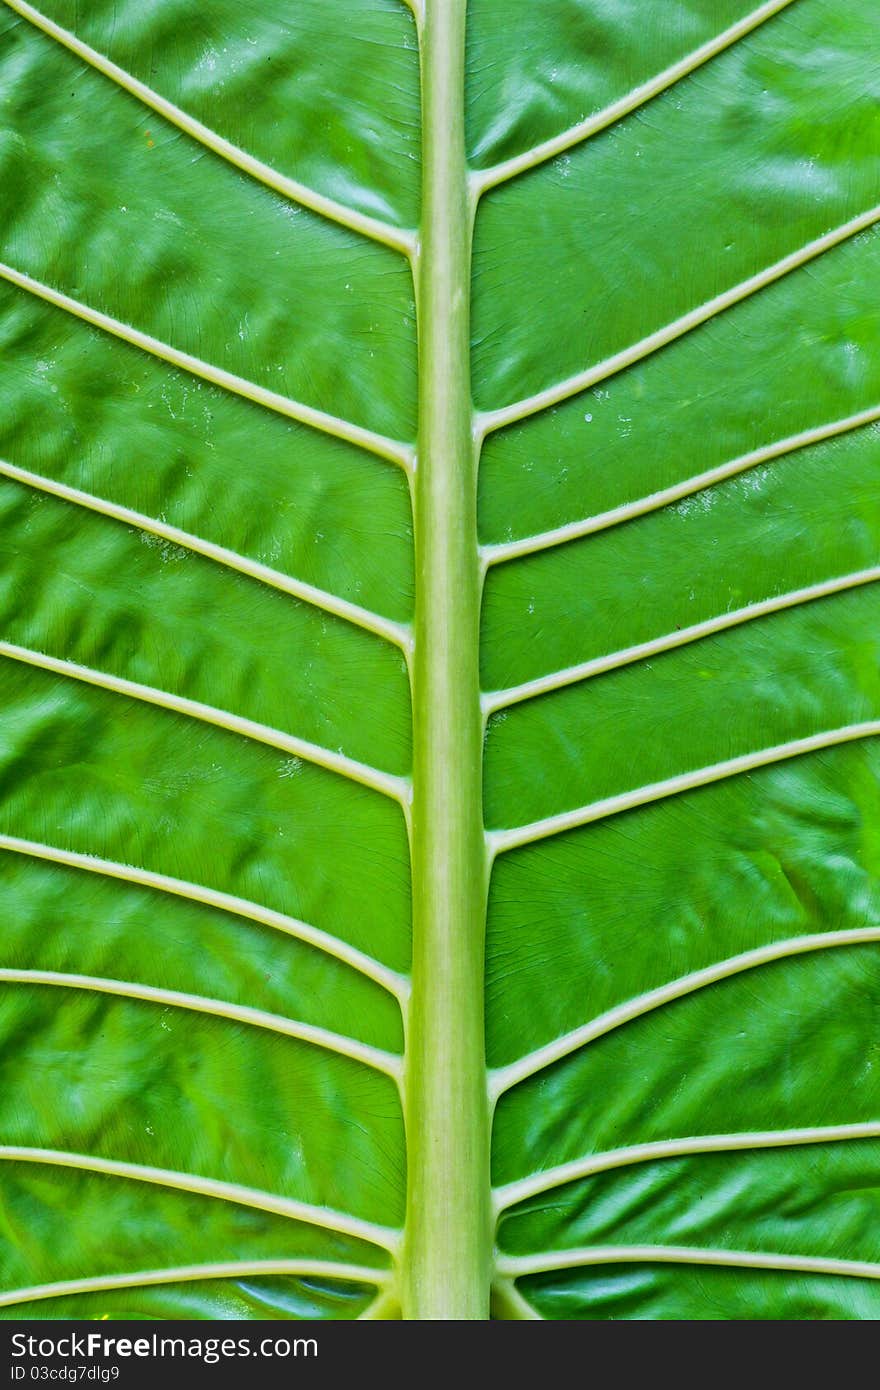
(217, 438)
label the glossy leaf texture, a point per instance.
(209, 407)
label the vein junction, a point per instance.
(373, 1057)
(370, 227)
(484, 179)
(395, 787)
(333, 946)
(392, 450)
(490, 420)
(502, 552)
(669, 641)
(694, 1145)
(503, 1078)
(229, 1269)
(396, 633)
(385, 1237)
(499, 841)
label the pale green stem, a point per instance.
(447, 1253)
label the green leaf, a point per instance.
(439, 834)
